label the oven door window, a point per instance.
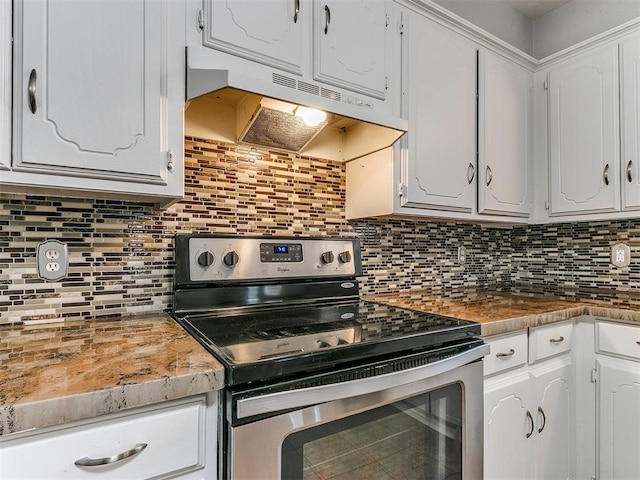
(419, 437)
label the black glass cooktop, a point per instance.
(270, 343)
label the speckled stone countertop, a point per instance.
(58, 373)
(503, 312)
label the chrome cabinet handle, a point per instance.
(544, 419)
(506, 355)
(471, 172)
(31, 89)
(606, 174)
(530, 419)
(296, 10)
(560, 339)
(327, 18)
(629, 172)
(489, 175)
(94, 462)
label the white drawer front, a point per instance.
(622, 340)
(550, 340)
(507, 351)
(174, 438)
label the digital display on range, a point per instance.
(280, 252)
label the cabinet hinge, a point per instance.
(594, 375)
(546, 84)
(200, 20)
(170, 161)
(386, 83)
(401, 28)
(546, 204)
(402, 190)
(386, 19)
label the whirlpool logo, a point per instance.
(283, 269)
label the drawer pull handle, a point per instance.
(530, 421)
(506, 355)
(94, 462)
(560, 339)
(638, 342)
(544, 419)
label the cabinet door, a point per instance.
(91, 90)
(349, 47)
(5, 84)
(630, 105)
(619, 418)
(440, 166)
(504, 136)
(554, 419)
(265, 31)
(583, 134)
(509, 440)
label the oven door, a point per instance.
(422, 422)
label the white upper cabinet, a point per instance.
(349, 45)
(630, 105)
(440, 164)
(504, 136)
(583, 134)
(5, 84)
(265, 31)
(99, 94)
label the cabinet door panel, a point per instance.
(630, 104)
(99, 98)
(349, 45)
(266, 31)
(584, 134)
(554, 425)
(439, 170)
(504, 136)
(619, 418)
(5, 85)
(506, 427)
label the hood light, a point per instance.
(310, 116)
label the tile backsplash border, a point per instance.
(121, 254)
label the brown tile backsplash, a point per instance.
(121, 258)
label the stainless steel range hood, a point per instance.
(247, 103)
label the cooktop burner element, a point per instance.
(274, 307)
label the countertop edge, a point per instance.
(51, 412)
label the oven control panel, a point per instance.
(280, 252)
(222, 258)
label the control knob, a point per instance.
(231, 259)
(327, 257)
(205, 259)
(344, 257)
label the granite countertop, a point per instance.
(503, 312)
(58, 373)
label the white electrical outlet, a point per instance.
(52, 260)
(462, 255)
(620, 255)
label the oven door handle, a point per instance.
(293, 399)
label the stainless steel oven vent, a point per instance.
(279, 129)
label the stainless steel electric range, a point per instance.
(307, 362)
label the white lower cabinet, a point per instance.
(618, 401)
(529, 424)
(171, 440)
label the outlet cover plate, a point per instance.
(52, 260)
(620, 255)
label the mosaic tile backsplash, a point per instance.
(121, 258)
